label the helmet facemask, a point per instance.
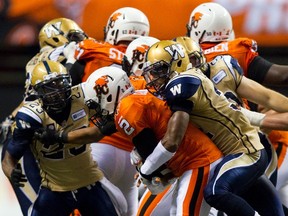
(54, 93)
(101, 116)
(76, 35)
(157, 75)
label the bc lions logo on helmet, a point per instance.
(195, 19)
(113, 18)
(139, 52)
(101, 85)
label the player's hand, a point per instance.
(50, 137)
(135, 157)
(5, 129)
(107, 125)
(69, 52)
(156, 185)
(17, 177)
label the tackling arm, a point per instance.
(167, 147)
(267, 121)
(259, 94)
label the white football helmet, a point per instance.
(104, 88)
(210, 22)
(126, 24)
(134, 57)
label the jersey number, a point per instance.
(124, 124)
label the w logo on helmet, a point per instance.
(113, 18)
(101, 85)
(196, 18)
(139, 52)
(176, 51)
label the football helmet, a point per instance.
(209, 22)
(60, 31)
(196, 56)
(134, 57)
(163, 60)
(103, 90)
(52, 85)
(126, 24)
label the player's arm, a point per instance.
(12, 170)
(276, 121)
(84, 135)
(22, 137)
(259, 94)
(268, 121)
(265, 72)
(177, 125)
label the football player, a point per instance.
(123, 26)
(227, 76)
(112, 152)
(70, 177)
(52, 38)
(193, 98)
(192, 163)
(243, 49)
(210, 25)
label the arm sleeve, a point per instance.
(258, 69)
(76, 71)
(22, 135)
(145, 142)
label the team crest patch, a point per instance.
(219, 76)
(78, 115)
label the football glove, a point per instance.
(135, 158)
(108, 128)
(50, 137)
(17, 177)
(69, 51)
(5, 129)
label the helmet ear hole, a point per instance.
(56, 40)
(109, 98)
(179, 63)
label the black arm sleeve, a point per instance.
(258, 69)
(145, 142)
(76, 71)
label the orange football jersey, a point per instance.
(143, 110)
(279, 140)
(117, 139)
(243, 49)
(97, 54)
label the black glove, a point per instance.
(161, 172)
(17, 177)
(108, 128)
(5, 129)
(50, 137)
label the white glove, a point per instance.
(69, 52)
(135, 158)
(157, 185)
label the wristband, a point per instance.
(255, 118)
(159, 156)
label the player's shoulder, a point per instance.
(245, 42)
(31, 112)
(91, 42)
(225, 62)
(184, 85)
